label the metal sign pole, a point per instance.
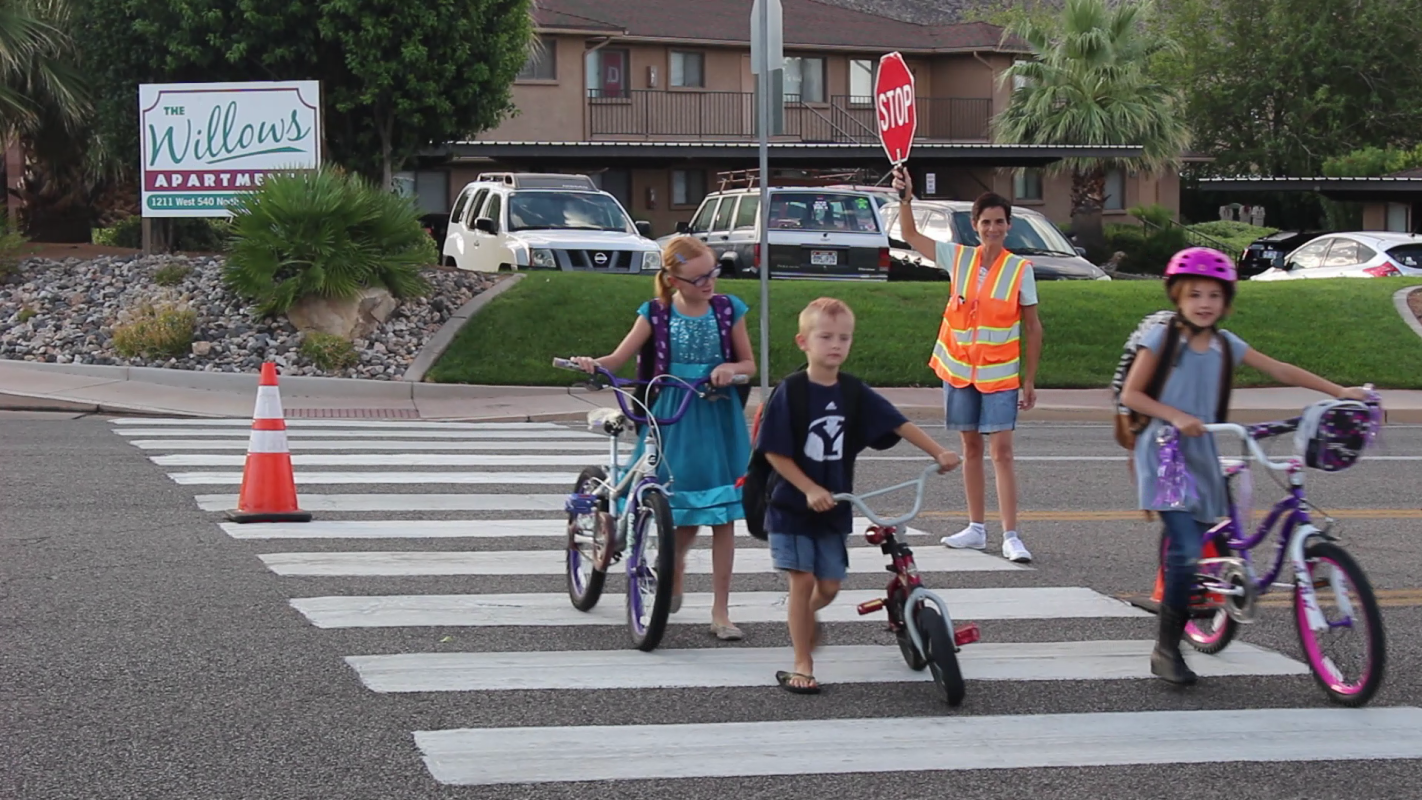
(766, 56)
(764, 232)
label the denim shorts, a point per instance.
(968, 409)
(825, 555)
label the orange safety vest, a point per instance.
(979, 341)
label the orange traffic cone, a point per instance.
(268, 485)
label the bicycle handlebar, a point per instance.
(695, 389)
(1252, 442)
(858, 500)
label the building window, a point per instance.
(1397, 217)
(1017, 80)
(688, 187)
(861, 81)
(542, 63)
(688, 69)
(607, 73)
(616, 182)
(1115, 190)
(804, 80)
(1027, 185)
(428, 188)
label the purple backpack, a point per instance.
(655, 358)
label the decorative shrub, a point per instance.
(328, 234)
(171, 274)
(156, 330)
(199, 234)
(11, 245)
(328, 351)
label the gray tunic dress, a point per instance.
(1193, 387)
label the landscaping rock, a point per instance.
(348, 319)
(75, 303)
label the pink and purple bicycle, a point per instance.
(1333, 602)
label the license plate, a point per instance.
(824, 258)
(1269, 253)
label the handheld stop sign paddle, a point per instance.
(896, 107)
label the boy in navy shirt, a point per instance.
(807, 529)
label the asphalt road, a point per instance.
(147, 653)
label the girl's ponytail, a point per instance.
(664, 289)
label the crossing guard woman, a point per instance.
(979, 355)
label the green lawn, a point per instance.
(1346, 330)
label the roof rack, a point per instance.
(538, 180)
(750, 178)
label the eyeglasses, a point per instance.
(701, 281)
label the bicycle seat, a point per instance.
(608, 421)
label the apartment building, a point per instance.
(655, 98)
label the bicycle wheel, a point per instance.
(912, 657)
(1334, 571)
(1212, 633)
(651, 571)
(942, 655)
(586, 545)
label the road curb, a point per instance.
(1399, 299)
(440, 342)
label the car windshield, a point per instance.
(1028, 236)
(822, 211)
(566, 211)
(1408, 255)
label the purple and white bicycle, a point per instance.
(629, 511)
(1333, 601)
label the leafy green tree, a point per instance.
(1276, 87)
(395, 77)
(1087, 84)
(1373, 162)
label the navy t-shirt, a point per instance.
(823, 458)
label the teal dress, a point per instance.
(706, 452)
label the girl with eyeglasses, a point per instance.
(702, 334)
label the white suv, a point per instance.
(514, 221)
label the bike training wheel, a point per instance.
(1213, 632)
(915, 661)
(1355, 684)
(651, 571)
(942, 655)
(586, 567)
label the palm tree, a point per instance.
(45, 103)
(1089, 83)
(38, 74)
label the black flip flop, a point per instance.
(784, 679)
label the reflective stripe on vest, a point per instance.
(979, 338)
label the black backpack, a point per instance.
(761, 479)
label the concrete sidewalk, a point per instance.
(182, 393)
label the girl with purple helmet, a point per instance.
(1181, 378)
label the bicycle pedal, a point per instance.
(870, 606)
(967, 634)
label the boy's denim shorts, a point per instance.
(825, 555)
(968, 409)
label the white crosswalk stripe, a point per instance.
(514, 526)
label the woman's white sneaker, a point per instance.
(973, 537)
(1014, 550)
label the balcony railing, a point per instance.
(730, 116)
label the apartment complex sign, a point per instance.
(204, 144)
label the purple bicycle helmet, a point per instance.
(1202, 262)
